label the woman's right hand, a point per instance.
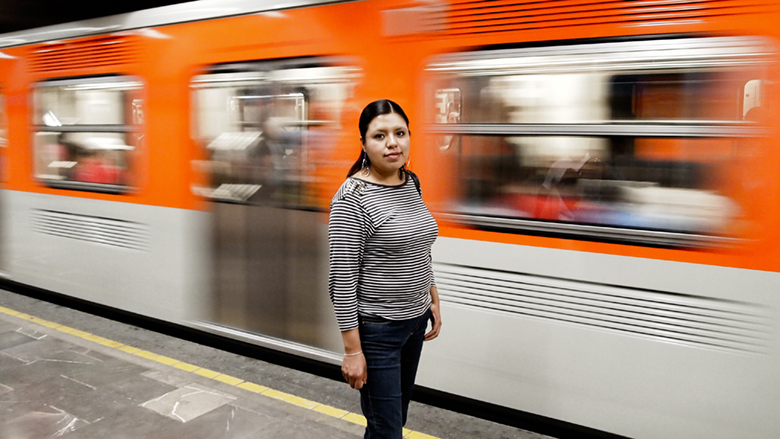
(354, 370)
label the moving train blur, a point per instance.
(604, 173)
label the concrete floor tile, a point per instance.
(107, 372)
(131, 423)
(94, 405)
(36, 371)
(225, 422)
(294, 428)
(100, 355)
(14, 409)
(41, 424)
(57, 391)
(188, 402)
(139, 388)
(48, 348)
(8, 362)
(172, 379)
(8, 326)
(32, 333)
(13, 338)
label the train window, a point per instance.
(264, 128)
(86, 130)
(630, 142)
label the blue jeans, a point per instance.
(392, 349)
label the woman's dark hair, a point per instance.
(372, 110)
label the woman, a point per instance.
(381, 280)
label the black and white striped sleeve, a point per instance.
(346, 240)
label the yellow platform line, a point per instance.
(211, 374)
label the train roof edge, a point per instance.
(163, 15)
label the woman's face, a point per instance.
(387, 143)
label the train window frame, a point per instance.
(102, 149)
(294, 80)
(691, 54)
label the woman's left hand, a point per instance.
(435, 322)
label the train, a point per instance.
(604, 175)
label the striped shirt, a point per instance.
(380, 241)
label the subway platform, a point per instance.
(68, 374)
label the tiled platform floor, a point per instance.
(59, 384)
(65, 373)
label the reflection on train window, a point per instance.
(632, 142)
(265, 127)
(447, 111)
(86, 131)
(507, 177)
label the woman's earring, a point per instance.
(364, 166)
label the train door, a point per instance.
(263, 129)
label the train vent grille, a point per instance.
(485, 16)
(92, 53)
(670, 317)
(98, 230)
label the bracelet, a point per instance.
(355, 354)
